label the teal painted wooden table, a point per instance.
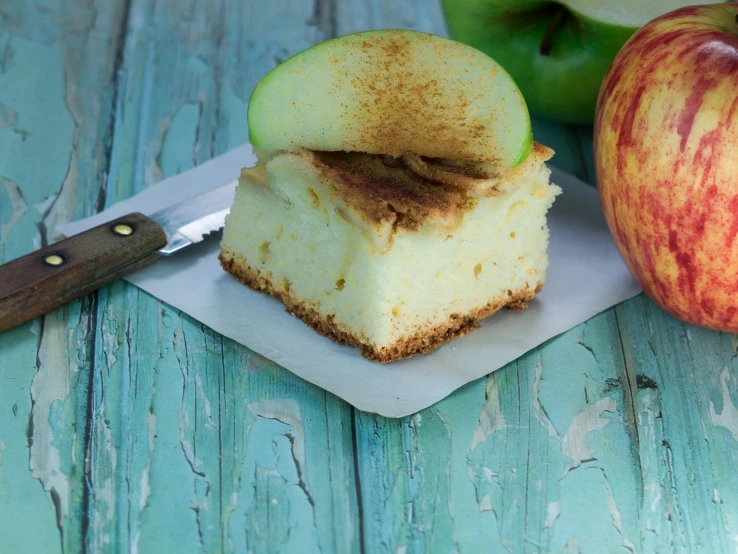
(126, 426)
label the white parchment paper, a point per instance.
(585, 277)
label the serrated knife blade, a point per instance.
(189, 221)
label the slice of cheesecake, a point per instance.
(392, 255)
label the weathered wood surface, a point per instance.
(126, 426)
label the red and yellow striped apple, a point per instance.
(666, 157)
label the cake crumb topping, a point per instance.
(409, 190)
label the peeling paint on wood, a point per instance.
(18, 206)
(129, 427)
(728, 416)
(53, 114)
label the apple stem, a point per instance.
(556, 19)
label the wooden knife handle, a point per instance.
(48, 278)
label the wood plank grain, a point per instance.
(362, 15)
(57, 67)
(680, 381)
(191, 431)
(687, 421)
(149, 432)
(503, 464)
(586, 146)
(540, 459)
(565, 141)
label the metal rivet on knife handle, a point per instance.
(54, 259)
(123, 230)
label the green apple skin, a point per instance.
(392, 92)
(562, 85)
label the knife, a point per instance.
(53, 276)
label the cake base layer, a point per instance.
(425, 340)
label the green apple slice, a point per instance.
(627, 13)
(392, 92)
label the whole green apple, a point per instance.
(666, 158)
(557, 52)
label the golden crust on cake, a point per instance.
(384, 189)
(423, 341)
